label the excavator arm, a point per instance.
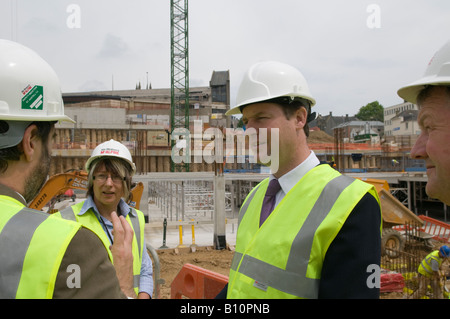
(60, 183)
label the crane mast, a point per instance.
(179, 118)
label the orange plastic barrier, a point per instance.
(197, 283)
(439, 230)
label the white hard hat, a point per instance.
(269, 80)
(437, 73)
(111, 148)
(29, 87)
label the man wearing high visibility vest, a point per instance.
(430, 272)
(322, 234)
(110, 170)
(45, 256)
(431, 94)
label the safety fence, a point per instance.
(185, 200)
(439, 231)
(346, 146)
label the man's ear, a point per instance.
(29, 142)
(301, 118)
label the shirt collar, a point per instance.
(288, 180)
(89, 203)
(7, 191)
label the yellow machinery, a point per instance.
(394, 213)
(58, 184)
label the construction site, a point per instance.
(191, 221)
(407, 238)
(192, 206)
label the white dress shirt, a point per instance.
(288, 180)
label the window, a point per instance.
(219, 94)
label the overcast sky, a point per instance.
(352, 52)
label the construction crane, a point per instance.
(179, 51)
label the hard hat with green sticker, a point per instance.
(29, 92)
(34, 99)
(29, 87)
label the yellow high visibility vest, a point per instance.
(32, 246)
(283, 258)
(425, 265)
(90, 221)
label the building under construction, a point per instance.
(140, 119)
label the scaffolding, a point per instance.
(186, 200)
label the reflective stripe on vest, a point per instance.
(294, 269)
(70, 213)
(293, 279)
(26, 272)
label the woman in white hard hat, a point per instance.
(110, 169)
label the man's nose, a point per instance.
(418, 151)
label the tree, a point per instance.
(371, 112)
(240, 123)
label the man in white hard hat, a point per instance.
(110, 170)
(432, 94)
(322, 230)
(44, 256)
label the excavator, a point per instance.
(57, 185)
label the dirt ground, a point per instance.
(320, 137)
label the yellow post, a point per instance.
(180, 230)
(193, 234)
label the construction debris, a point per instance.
(400, 268)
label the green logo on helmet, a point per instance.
(34, 99)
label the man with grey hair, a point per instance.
(42, 255)
(432, 94)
